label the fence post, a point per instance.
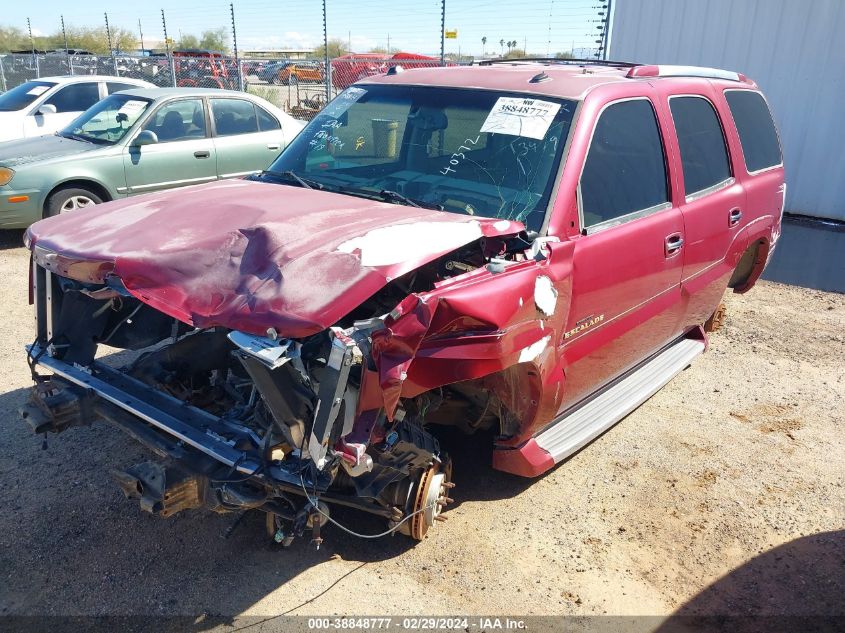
(235, 46)
(32, 48)
(167, 48)
(67, 50)
(2, 76)
(328, 72)
(442, 32)
(606, 38)
(111, 48)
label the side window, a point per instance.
(178, 121)
(625, 170)
(703, 153)
(75, 97)
(757, 133)
(114, 86)
(233, 116)
(266, 121)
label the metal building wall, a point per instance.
(793, 49)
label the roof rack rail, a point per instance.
(573, 61)
(663, 70)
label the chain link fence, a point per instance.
(301, 87)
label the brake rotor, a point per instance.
(432, 494)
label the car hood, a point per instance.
(23, 151)
(249, 255)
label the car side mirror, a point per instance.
(145, 137)
(46, 108)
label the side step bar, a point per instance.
(577, 428)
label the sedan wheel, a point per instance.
(70, 199)
(76, 202)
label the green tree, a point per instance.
(215, 39)
(187, 40)
(484, 46)
(378, 49)
(13, 39)
(515, 53)
(337, 47)
(563, 55)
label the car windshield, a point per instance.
(21, 96)
(107, 121)
(476, 152)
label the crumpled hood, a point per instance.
(249, 255)
(41, 148)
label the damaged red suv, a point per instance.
(531, 248)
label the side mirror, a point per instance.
(46, 108)
(145, 137)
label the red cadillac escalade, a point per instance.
(528, 248)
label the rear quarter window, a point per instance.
(757, 133)
(704, 157)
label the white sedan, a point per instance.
(46, 105)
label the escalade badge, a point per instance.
(583, 324)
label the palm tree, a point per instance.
(484, 46)
(502, 44)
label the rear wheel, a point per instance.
(71, 199)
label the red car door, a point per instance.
(626, 264)
(713, 203)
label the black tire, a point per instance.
(70, 199)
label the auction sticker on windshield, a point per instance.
(132, 107)
(38, 90)
(521, 117)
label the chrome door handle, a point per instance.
(674, 243)
(734, 217)
(202, 154)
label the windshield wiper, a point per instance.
(75, 137)
(291, 175)
(394, 196)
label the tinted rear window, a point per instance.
(703, 154)
(21, 96)
(756, 129)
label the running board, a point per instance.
(576, 429)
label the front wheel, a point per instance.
(71, 199)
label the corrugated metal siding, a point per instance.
(793, 49)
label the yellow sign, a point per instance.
(452, 35)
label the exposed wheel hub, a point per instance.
(429, 498)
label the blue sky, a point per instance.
(413, 25)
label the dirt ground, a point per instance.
(723, 494)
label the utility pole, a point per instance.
(67, 51)
(328, 66)
(388, 43)
(111, 48)
(32, 48)
(167, 49)
(235, 46)
(141, 33)
(442, 32)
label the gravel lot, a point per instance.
(679, 508)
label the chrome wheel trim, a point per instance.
(76, 202)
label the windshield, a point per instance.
(476, 152)
(21, 96)
(107, 121)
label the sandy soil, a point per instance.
(725, 493)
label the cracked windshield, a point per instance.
(477, 152)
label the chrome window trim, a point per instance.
(777, 131)
(698, 195)
(634, 215)
(727, 182)
(624, 219)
